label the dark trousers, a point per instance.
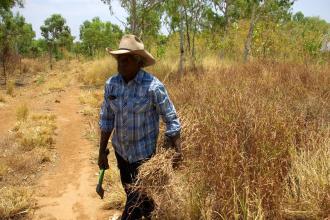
(137, 204)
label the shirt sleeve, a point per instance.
(107, 116)
(166, 110)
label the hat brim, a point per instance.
(148, 58)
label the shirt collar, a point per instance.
(138, 78)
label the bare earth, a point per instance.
(66, 189)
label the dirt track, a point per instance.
(65, 189)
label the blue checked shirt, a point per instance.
(131, 110)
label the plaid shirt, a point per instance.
(131, 110)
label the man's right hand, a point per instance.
(103, 160)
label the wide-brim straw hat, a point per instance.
(131, 44)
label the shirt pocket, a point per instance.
(114, 99)
(142, 104)
(114, 105)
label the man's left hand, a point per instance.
(175, 143)
(177, 160)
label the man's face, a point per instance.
(127, 65)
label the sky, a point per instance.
(77, 11)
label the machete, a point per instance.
(99, 188)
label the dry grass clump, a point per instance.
(91, 98)
(58, 83)
(22, 112)
(155, 174)
(38, 131)
(2, 98)
(10, 87)
(91, 101)
(33, 66)
(14, 201)
(242, 125)
(95, 73)
(156, 179)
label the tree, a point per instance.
(7, 4)
(56, 33)
(275, 10)
(144, 16)
(97, 35)
(15, 37)
(186, 17)
(38, 47)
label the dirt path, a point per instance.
(67, 190)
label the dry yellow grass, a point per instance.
(2, 98)
(308, 191)
(10, 86)
(38, 131)
(14, 201)
(22, 112)
(251, 133)
(33, 66)
(91, 98)
(22, 154)
(95, 73)
(240, 124)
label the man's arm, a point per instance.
(166, 110)
(106, 124)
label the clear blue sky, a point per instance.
(77, 11)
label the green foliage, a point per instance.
(96, 35)
(15, 39)
(57, 34)
(15, 32)
(38, 47)
(7, 4)
(144, 16)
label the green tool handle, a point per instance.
(101, 175)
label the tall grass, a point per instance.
(251, 131)
(95, 73)
(255, 141)
(22, 112)
(10, 87)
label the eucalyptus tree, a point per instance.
(56, 33)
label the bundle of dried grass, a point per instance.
(165, 186)
(155, 175)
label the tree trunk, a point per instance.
(20, 64)
(50, 53)
(4, 62)
(4, 69)
(193, 56)
(187, 29)
(181, 46)
(133, 17)
(248, 42)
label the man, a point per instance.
(133, 102)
